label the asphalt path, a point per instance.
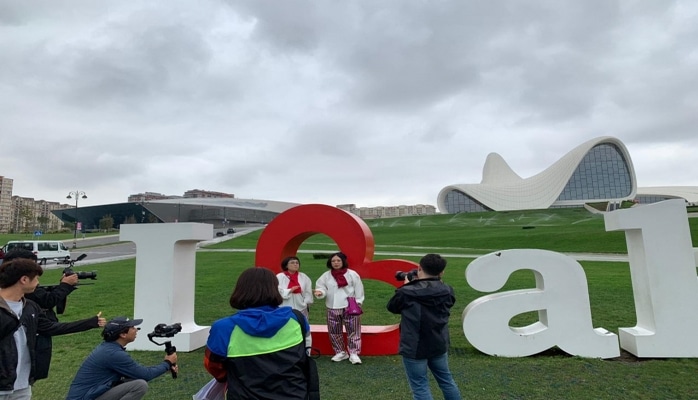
(101, 249)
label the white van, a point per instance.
(44, 249)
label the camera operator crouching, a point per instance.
(109, 372)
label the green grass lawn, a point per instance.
(551, 375)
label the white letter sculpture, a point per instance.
(663, 273)
(561, 298)
(165, 277)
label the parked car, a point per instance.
(230, 231)
(219, 234)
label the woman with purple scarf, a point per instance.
(335, 286)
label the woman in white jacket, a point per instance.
(295, 287)
(335, 286)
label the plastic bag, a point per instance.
(213, 390)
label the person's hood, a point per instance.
(263, 321)
(5, 306)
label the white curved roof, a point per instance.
(688, 193)
(502, 189)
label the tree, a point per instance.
(25, 218)
(106, 223)
(43, 222)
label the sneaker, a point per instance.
(354, 359)
(340, 357)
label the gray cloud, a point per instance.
(349, 102)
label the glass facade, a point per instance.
(648, 199)
(602, 174)
(123, 213)
(457, 201)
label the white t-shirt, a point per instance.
(24, 362)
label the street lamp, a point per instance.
(77, 194)
(142, 213)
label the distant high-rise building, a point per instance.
(189, 194)
(388, 211)
(147, 196)
(29, 215)
(5, 204)
(23, 214)
(198, 194)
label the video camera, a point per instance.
(60, 307)
(400, 276)
(81, 274)
(166, 331)
(162, 330)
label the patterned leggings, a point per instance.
(335, 320)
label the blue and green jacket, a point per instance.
(259, 352)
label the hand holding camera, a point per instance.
(406, 276)
(166, 331)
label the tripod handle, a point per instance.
(170, 349)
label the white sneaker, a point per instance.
(340, 357)
(354, 359)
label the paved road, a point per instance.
(102, 249)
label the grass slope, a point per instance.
(551, 375)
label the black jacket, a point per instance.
(425, 306)
(35, 322)
(48, 298)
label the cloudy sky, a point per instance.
(365, 102)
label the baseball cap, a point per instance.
(118, 324)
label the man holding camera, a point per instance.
(47, 299)
(21, 321)
(109, 373)
(424, 304)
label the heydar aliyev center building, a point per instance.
(599, 170)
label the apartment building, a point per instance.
(198, 194)
(189, 194)
(29, 215)
(148, 196)
(5, 204)
(388, 211)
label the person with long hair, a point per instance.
(295, 287)
(258, 351)
(336, 286)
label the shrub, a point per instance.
(321, 256)
(601, 206)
